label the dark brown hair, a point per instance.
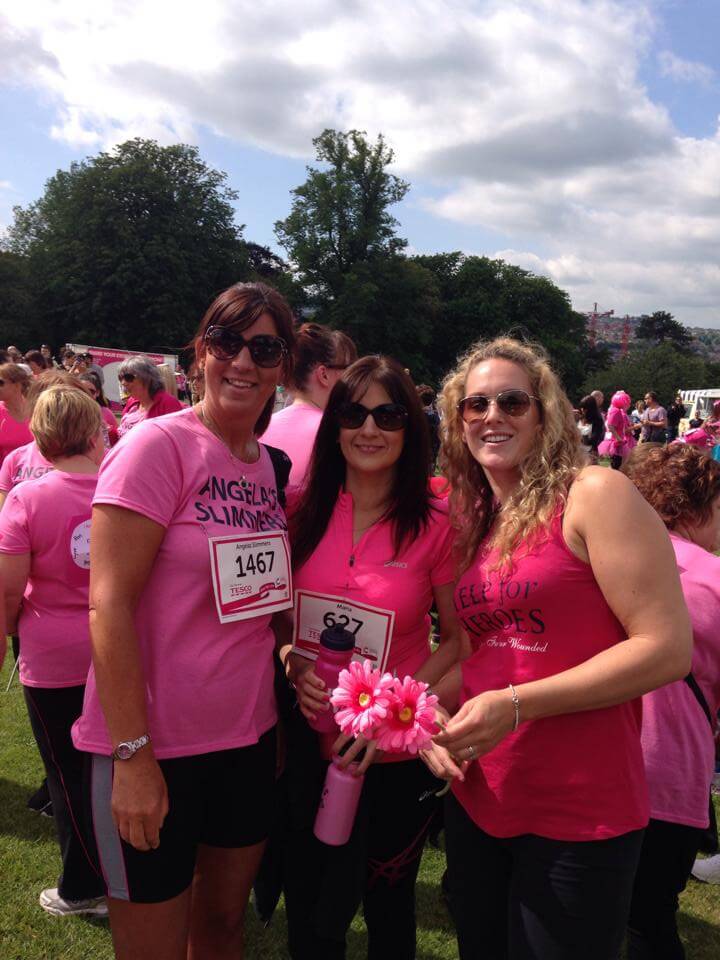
(679, 482)
(239, 307)
(34, 356)
(317, 345)
(410, 498)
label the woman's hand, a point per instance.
(478, 726)
(139, 800)
(441, 764)
(358, 744)
(312, 695)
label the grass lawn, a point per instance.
(29, 861)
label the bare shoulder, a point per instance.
(603, 503)
(599, 486)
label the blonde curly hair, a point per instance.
(545, 476)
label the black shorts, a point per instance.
(221, 799)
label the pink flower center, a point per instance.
(405, 715)
(364, 699)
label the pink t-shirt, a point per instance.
(572, 777)
(369, 573)
(24, 463)
(677, 743)
(209, 684)
(131, 418)
(49, 518)
(13, 433)
(293, 430)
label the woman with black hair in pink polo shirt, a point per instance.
(189, 562)
(570, 595)
(367, 533)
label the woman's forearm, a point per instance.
(451, 650)
(447, 689)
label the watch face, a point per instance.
(124, 751)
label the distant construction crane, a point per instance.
(592, 317)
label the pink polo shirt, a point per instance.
(13, 433)
(209, 684)
(293, 430)
(677, 744)
(370, 573)
(24, 463)
(49, 518)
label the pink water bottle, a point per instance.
(336, 650)
(338, 805)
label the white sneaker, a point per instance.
(707, 870)
(51, 901)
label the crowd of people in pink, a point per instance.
(172, 575)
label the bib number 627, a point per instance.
(342, 620)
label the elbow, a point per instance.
(677, 661)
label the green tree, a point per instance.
(485, 298)
(18, 310)
(340, 216)
(662, 327)
(662, 369)
(390, 305)
(127, 248)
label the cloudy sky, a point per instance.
(577, 138)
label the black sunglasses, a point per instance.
(265, 350)
(126, 377)
(387, 416)
(514, 403)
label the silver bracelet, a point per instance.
(516, 704)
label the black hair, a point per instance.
(410, 498)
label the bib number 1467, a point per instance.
(255, 563)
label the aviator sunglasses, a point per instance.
(265, 349)
(514, 403)
(126, 377)
(387, 416)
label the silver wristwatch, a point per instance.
(128, 748)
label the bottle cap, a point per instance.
(337, 638)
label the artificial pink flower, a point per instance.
(410, 721)
(361, 698)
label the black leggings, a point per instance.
(532, 898)
(667, 856)
(52, 713)
(324, 886)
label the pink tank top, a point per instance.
(573, 777)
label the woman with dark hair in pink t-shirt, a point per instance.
(189, 562)
(320, 356)
(683, 485)
(367, 533)
(570, 595)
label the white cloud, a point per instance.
(527, 117)
(687, 71)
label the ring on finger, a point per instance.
(471, 752)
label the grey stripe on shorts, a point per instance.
(106, 833)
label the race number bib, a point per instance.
(250, 574)
(371, 626)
